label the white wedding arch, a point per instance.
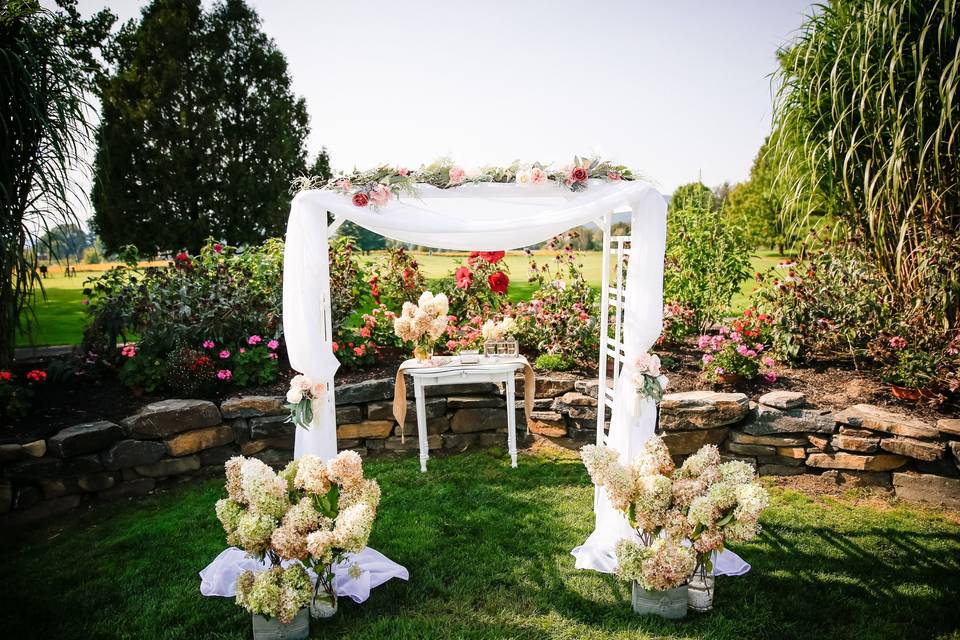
(495, 210)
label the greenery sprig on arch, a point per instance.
(376, 187)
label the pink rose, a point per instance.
(254, 340)
(360, 200)
(318, 389)
(224, 374)
(344, 185)
(457, 175)
(538, 175)
(273, 345)
(579, 174)
(380, 195)
(613, 175)
(403, 171)
(224, 354)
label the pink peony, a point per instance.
(457, 175)
(224, 354)
(254, 340)
(224, 374)
(273, 345)
(209, 344)
(538, 175)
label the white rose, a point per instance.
(523, 177)
(654, 366)
(294, 396)
(440, 304)
(425, 299)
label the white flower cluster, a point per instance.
(427, 318)
(312, 511)
(665, 564)
(498, 330)
(275, 593)
(257, 500)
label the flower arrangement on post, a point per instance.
(303, 399)
(648, 381)
(423, 323)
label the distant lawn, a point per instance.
(488, 550)
(60, 318)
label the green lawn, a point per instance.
(488, 552)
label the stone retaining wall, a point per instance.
(173, 439)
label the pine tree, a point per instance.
(200, 132)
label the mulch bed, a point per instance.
(830, 385)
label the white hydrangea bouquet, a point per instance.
(498, 330)
(302, 398)
(648, 380)
(681, 515)
(423, 323)
(312, 513)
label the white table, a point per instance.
(488, 370)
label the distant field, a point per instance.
(61, 316)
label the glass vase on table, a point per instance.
(423, 349)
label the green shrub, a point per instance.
(830, 305)
(187, 315)
(706, 262)
(479, 287)
(553, 362)
(561, 317)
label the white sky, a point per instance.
(676, 90)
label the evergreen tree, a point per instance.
(200, 132)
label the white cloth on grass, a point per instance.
(219, 578)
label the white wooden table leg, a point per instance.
(511, 419)
(421, 424)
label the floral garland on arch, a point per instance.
(375, 188)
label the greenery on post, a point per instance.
(47, 65)
(200, 133)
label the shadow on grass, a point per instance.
(488, 549)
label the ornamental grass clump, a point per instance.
(681, 515)
(313, 513)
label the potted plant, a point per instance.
(700, 506)
(659, 575)
(310, 515)
(736, 354)
(911, 373)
